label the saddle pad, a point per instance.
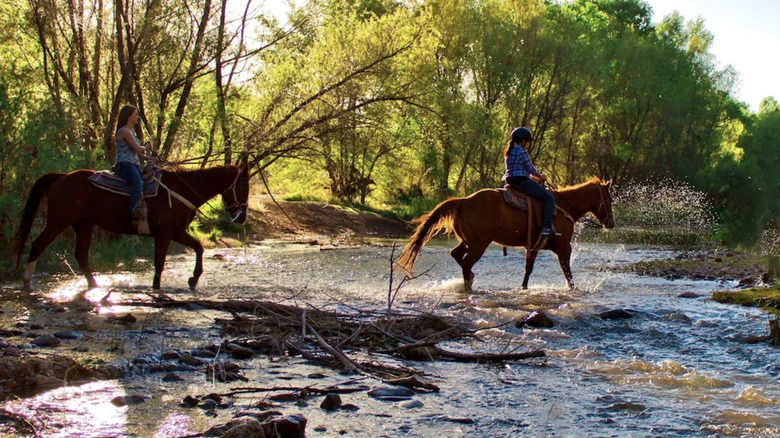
(515, 198)
(108, 180)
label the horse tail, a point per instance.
(39, 190)
(441, 217)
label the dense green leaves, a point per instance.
(387, 102)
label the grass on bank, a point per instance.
(767, 299)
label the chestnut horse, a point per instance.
(73, 201)
(485, 217)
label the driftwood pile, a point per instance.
(356, 341)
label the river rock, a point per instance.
(537, 319)
(753, 339)
(208, 404)
(422, 354)
(689, 295)
(459, 420)
(616, 314)
(146, 359)
(128, 400)
(68, 334)
(239, 352)
(414, 404)
(679, 317)
(12, 351)
(125, 319)
(46, 341)
(189, 402)
(48, 381)
(385, 393)
(170, 355)
(244, 427)
(292, 426)
(746, 282)
(316, 376)
(170, 377)
(188, 359)
(331, 402)
(37, 327)
(350, 407)
(203, 352)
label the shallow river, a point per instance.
(676, 369)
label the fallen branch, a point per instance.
(486, 357)
(349, 366)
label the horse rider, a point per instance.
(521, 174)
(128, 164)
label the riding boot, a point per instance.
(139, 213)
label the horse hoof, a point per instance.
(193, 283)
(27, 287)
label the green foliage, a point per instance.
(382, 102)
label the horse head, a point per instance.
(604, 210)
(236, 196)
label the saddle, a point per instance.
(111, 181)
(521, 201)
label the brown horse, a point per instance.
(73, 201)
(485, 217)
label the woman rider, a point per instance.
(519, 171)
(127, 164)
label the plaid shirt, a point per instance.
(518, 163)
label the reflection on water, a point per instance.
(676, 368)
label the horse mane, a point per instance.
(594, 180)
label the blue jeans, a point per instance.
(132, 174)
(535, 191)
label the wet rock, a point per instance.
(689, 295)
(320, 429)
(128, 400)
(536, 319)
(213, 396)
(301, 403)
(46, 341)
(288, 426)
(189, 402)
(626, 406)
(170, 355)
(239, 352)
(68, 334)
(188, 359)
(459, 420)
(350, 407)
(414, 404)
(12, 352)
(208, 404)
(48, 381)
(385, 393)
(168, 368)
(753, 339)
(202, 352)
(679, 317)
(225, 371)
(316, 376)
(244, 427)
(125, 319)
(9, 333)
(146, 359)
(746, 282)
(37, 327)
(170, 377)
(331, 402)
(616, 314)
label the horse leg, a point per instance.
(83, 230)
(530, 258)
(564, 257)
(161, 243)
(458, 252)
(187, 240)
(473, 254)
(47, 236)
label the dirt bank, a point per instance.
(325, 223)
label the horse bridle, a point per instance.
(236, 202)
(603, 204)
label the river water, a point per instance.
(677, 368)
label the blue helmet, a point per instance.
(520, 134)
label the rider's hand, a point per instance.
(543, 177)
